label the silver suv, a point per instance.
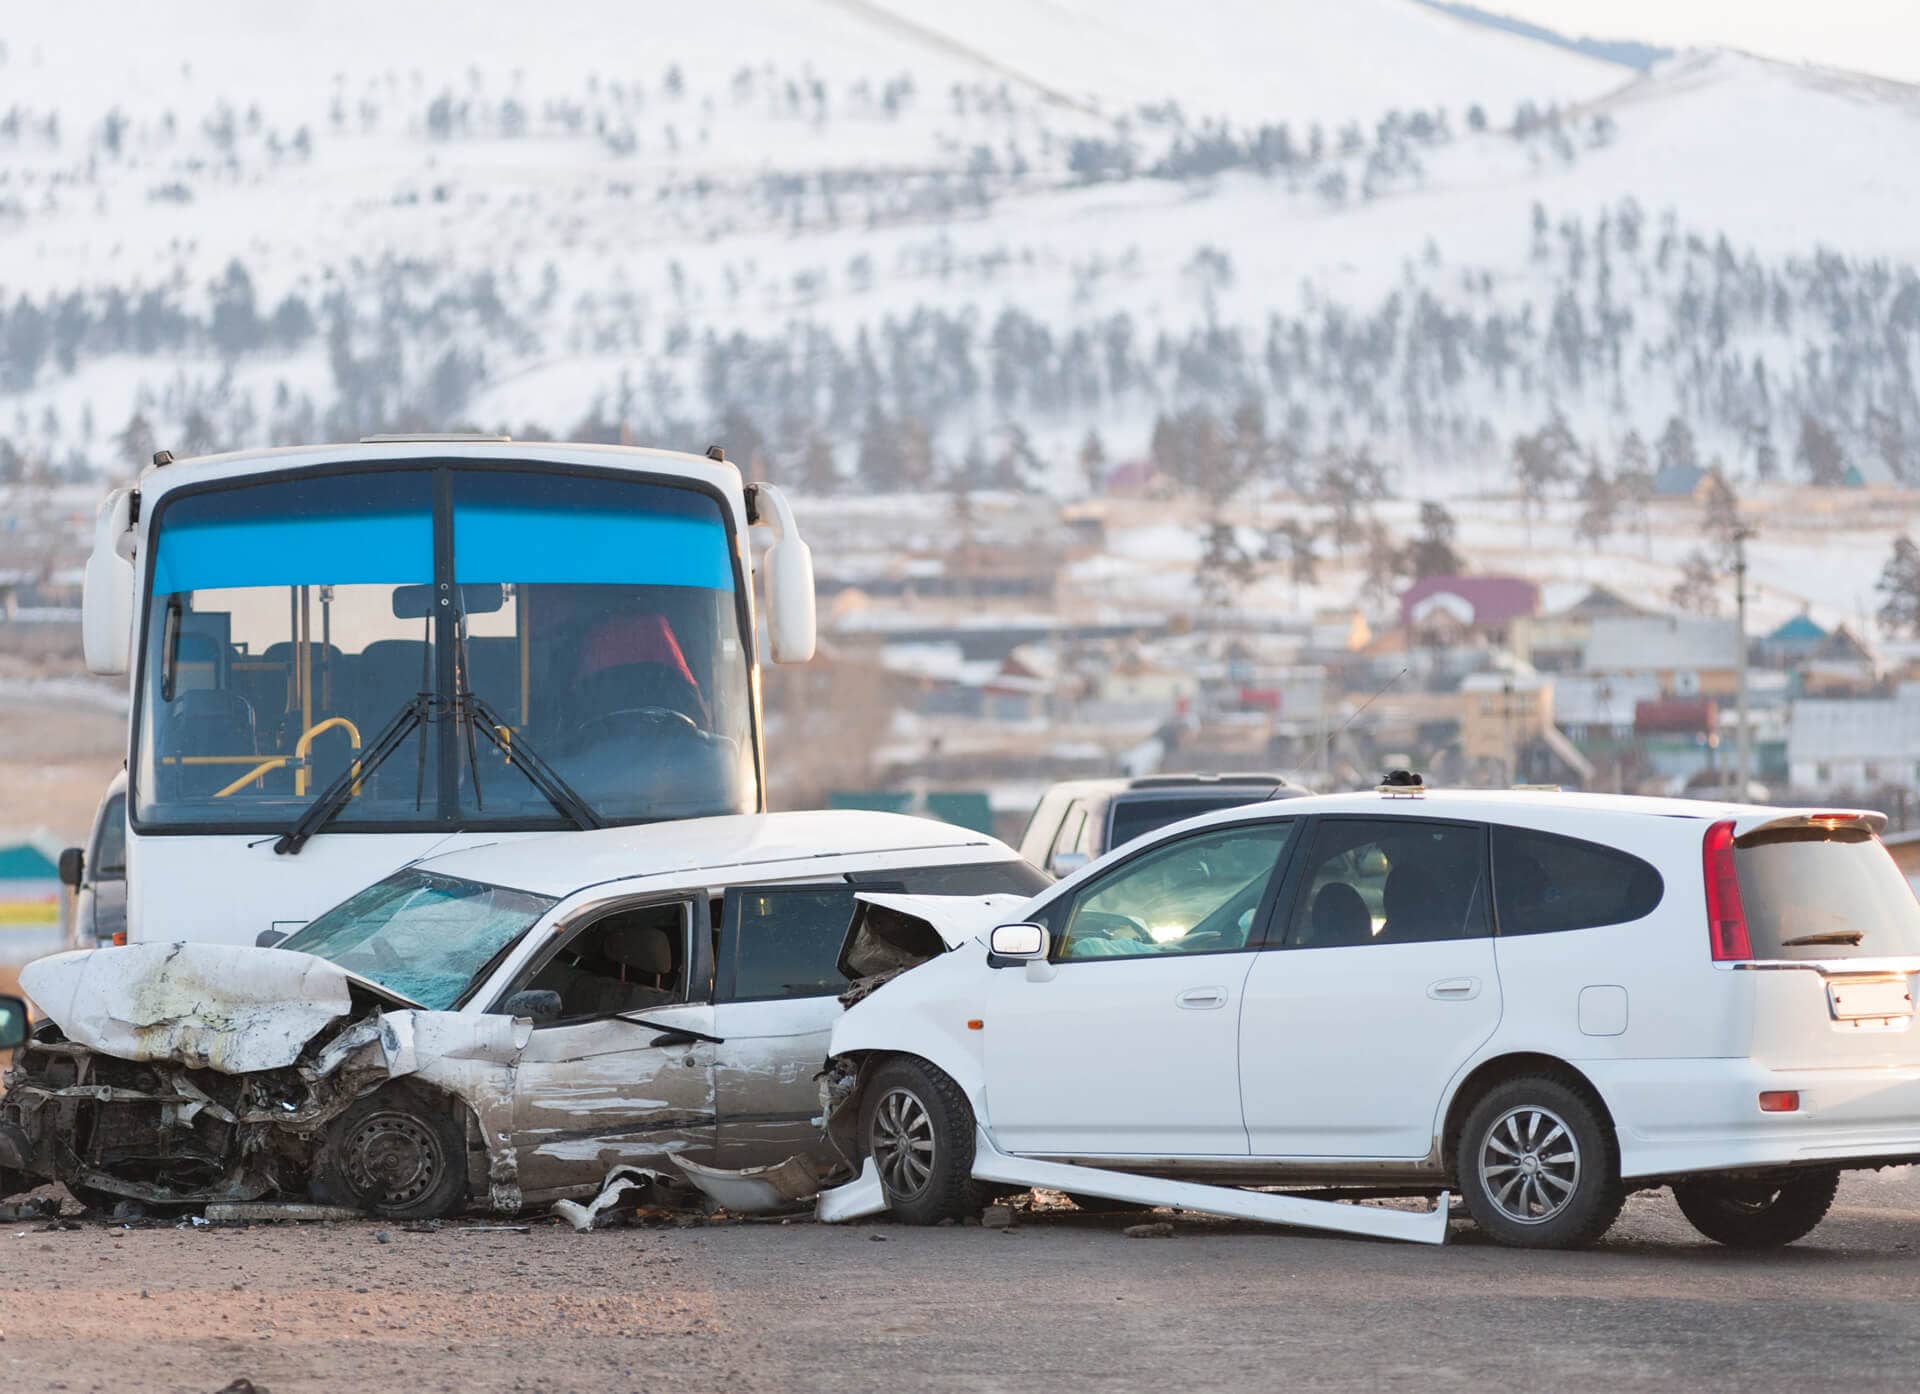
(1079, 819)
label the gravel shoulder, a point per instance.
(1060, 1301)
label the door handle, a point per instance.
(1454, 989)
(1201, 999)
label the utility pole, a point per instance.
(1744, 761)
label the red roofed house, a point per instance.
(1439, 610)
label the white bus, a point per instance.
(343, 658)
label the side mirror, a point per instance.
(536, 1002)
(15, 1024)
(107, 590)
(73, 865)
(267, 938)
(1018, 942)
(1064, 864)
(789, 571)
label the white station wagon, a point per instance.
(1545, 1001)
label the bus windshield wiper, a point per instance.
(1850, 937)
(410, 718)
(476, 715)
(471, 714)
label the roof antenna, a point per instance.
(1333, 736)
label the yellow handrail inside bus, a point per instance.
(278, 762)
(306, 743)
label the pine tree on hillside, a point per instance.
(1899, 583)
(1698, 590)
(1675, 448)
(1722, 522)
(1432, 552)
(1093, 463)
(1818, 453)
(1600, 507)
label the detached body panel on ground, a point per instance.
(501, 1025)
(1539, 1000)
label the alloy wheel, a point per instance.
(902, 1144)
(1530, 1164)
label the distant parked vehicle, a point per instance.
(1080, 819)
(97, 873)
(1539, 1001)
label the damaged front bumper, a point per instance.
(182, 1075)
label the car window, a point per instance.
(1390, 881)
(1543, 884)
(784, 941)
(1200, 894)
(1134, 815)
(1037, 838)
(109, 859)
(626, 961)
(1073, 828)
(1824, 892)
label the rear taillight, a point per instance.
(1726, 917)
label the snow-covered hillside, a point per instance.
(889, 241)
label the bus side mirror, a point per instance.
(789, 572)
(106, 596)
(73, 863)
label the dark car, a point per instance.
(1078, 820)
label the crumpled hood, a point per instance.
(892, 930)
(225, 1007)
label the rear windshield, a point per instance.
(1825, 893)
(1132, 817)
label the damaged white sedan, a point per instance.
(500, 1026)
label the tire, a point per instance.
(916, 1125)
(1757, 1214)
(400, 1152)
(1100, 1205)
(1563, 1198)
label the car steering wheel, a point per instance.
(610, 722)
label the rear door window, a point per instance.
(1543, 884)
(1390, 881)
(1819, 892)
(781, 942)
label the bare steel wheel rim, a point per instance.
(1530, 1164)
(902, 1143)
(393, 1158)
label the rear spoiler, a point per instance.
(1778, 820)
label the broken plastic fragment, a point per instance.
(757, 1190)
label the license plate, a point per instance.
(1865, 997)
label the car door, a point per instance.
(1380, 988)
(1123, 1042)
(594, 1090)
(777, 989)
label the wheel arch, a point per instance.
(1498, 1070)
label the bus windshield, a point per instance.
(595, 618)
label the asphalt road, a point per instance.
(1061, 1301)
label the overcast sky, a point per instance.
(1878, 36)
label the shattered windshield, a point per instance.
(423, 936)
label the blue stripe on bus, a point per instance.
(350, 549)
(535, 545)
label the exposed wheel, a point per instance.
(399, 1152)
(916, 1125)
(1757, 1214)
(1100, 1205)
(1538, 1166)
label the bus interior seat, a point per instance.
(207, 721)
